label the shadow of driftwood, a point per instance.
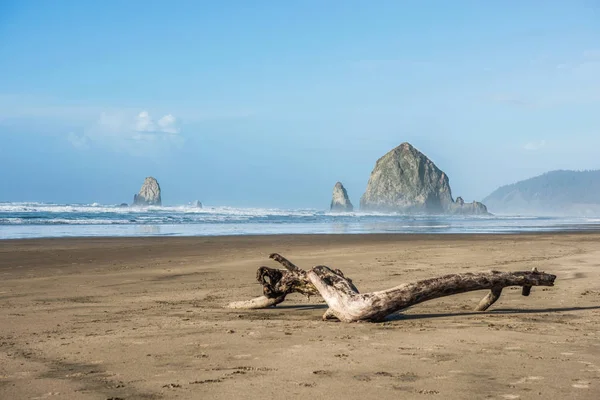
(301, 307)
(399, 317)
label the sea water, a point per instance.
(37, 220)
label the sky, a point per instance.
(270, 103)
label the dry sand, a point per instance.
(143, 318)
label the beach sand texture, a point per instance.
(143, 318)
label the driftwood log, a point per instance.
(347, 304)
(278, 283)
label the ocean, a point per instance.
(42, 220)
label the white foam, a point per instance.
(30, 219)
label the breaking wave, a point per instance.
(52, 220)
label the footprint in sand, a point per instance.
(581, 385)
(45, 395)
(510, 396)
(591, 367)
(528, 379)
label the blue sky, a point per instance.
(269, 103)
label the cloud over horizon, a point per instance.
(535, 145)
(138, 135)
(166, 124)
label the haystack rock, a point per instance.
(340, 201)
(197, 204)
(149, 194)
(406, 181)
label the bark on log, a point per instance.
(347, 304)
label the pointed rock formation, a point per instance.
(149, 194)
(340, 201)
(197, 204)
(405, 180)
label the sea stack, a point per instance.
(474, 208)
(340, 202)
(406, 181)
(197, 204)
(149, 194)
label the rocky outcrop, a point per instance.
(406, 181)
(474, 208)
(197, 204)
(149, 194)
(340, 202)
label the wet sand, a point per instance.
(143, 318)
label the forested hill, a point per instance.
(556, 192)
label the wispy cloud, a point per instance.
(166, 124)
(554, 98)
(535, 145)
(23, 106)
(589, 68)
(593, 54)
(587, 63)
(136, 134)
(78, 141)
(553, 83)
(144, 123)
(512, 99)
(378, 64)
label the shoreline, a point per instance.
(579, 230)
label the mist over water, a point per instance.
(37, 220)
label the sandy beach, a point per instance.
(144, 318)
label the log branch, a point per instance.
(349, 306)
(490, 299)
(526, 290)
(286, 263)
(256, 303)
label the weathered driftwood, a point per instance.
(347, 304)
(277, 284)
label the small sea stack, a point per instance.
(340, 202)
(149, 194)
